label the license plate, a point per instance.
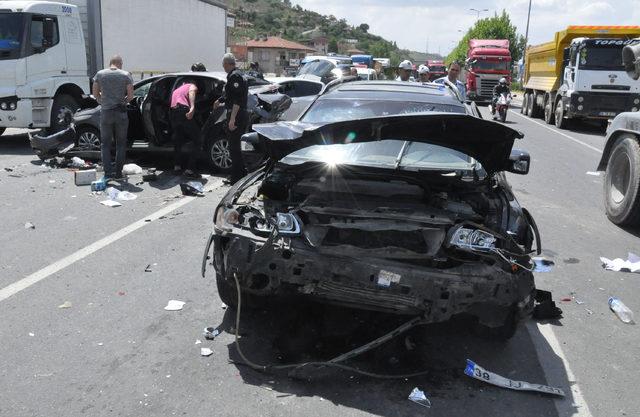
(385, 278)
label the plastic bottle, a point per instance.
(622, 311)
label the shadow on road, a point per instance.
(15, 144)
(309, 332)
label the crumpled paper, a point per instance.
(632, 264)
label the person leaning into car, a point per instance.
(183, 107)
(235, 101)
(113, 89)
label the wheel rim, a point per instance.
(220, 154)
(88, 140)
(620, 177)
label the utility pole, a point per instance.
(526, 34)
(478, 11)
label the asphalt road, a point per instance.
(116, 351)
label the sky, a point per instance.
(414, 24)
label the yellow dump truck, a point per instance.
(579, 75)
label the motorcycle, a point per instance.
(501, 107)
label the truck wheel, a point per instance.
(549, 111)
(88, 138)
(525, 103)
(2, 129)
(63, 105)
(219, 154)
(622, 182)
(530, 103)
(561, 122)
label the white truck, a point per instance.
(49, 51)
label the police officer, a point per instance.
(235, 101)
(500, 88)
(423, 73)
(404, 71)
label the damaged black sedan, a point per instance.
(407, 214)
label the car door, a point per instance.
(155, 110)
(136, 129)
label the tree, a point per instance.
(364, 27)
(333, 46)
(496, 27)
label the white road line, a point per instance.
(579, 407)
(559, 133)
(49, 270)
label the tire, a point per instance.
(622, 182)
(549, 111)
(62, 105)
(525, 103)
(229, 296)
(503, 115)
(87, 138)
(530, 103)
(2, 129)
(560, 121)
(219, 155)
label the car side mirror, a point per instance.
(252, 138)
(519, 162)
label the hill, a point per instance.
(279, 18)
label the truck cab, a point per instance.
(43, 64)
(488, 60)
(594, 83)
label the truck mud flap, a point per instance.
(205, 256)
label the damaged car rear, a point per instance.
(408, 214)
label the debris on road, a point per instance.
(174, 305)
(632, 264)
(110, 203)
(77, 162)
(419, 397)
(542, 265)
(623, 312)
(210, 333)
(546, 308)
(148, 268)
(594, 173)
(8, 169)
(66, 304)
(206, 352)
(192, 188)
(85, 177)
(29, 225)
(31, 334)
(116, 194)
(198, 342)
(99, 185)
(121, 293)
(579, 302)
(475, 371)
(131, 169)
(566, 299)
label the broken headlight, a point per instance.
(474, 239)
(287, 224)
(226, 218)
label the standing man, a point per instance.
(452, 76)
(235, 101)
(423, 73)
(404, 71)
(113, 89)
(183, 105)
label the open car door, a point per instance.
(155, 111)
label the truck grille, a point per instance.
(486, 87)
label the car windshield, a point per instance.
(318, 68)
(11, 27)
(484, 65)
(335, 110)
(606, 58)
(388, 153)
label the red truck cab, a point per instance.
(488, 60)
(437, 69)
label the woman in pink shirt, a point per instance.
(184, 127)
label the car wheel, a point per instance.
(525, 103)
(622, 182)
(2, 129)
(88, 138)
(549, 111)
(63, 107)
(219, 154)
(561, 122)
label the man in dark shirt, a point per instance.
(235, 101)
(501, 87)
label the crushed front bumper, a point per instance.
(50, 146)
(280, 266)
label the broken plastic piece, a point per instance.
(174, 305)
(594, 173)
(632, 264)
(475, 371)
(110, 203)
(206, 352)
(419, 397)
(192, 188)
(66, 304)
(148, 268)
(210, 333)
(198, 342)
(29, 225)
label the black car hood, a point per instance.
(486, 141)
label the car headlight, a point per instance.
(226, 218)
(636, 101)
(580, 99)
(466, 238)
(4, 105)
(12, 105)
(580, 107)
(287, 224)
(634, 109)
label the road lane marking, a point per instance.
(559, 133)
(51, 269)
(579, 407)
